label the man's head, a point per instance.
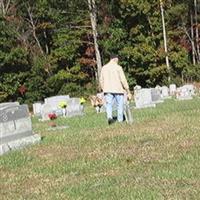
(114, 58)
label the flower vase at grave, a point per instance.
(52, 116)
(64, 112)
(63, 105)
(82, 102)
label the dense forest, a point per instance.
(49, 47)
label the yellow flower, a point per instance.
(82, 100)
(63, 104)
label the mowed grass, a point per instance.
(156, 157)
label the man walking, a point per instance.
(113, 83)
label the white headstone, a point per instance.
(37, 108)
(172, 89)
(137, 87)
(183, 93)
(165, 92)
(55, 100)
(190, 88)
(46, 110)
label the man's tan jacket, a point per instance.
(112, 78)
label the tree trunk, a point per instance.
(165, 40)
(31, 21)
(196, 31)
(92, 9)
(46, 46)
(192, 39)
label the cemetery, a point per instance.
(69, 149)
(15, 119)
(100, 100)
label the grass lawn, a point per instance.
(157, 157)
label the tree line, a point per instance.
(50, 47)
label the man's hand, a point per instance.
(129, 96)
(99, 88)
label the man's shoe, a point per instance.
(110, 121)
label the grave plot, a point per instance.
(172, 89)
(184, 93)
(37, 109)
(15, 127)
(58, 105)
(143, 98)
(156, 96)
(165, 93)
(74, 107)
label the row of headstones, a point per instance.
(144, 97)
(149, 97)
(52, 105)
(15, 127)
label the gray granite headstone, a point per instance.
(127, 113)
(156, 96)
(9, 104)
(15, 127)
(143, 98)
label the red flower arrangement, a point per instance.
(52, 116)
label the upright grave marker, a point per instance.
(74, 107)
(156, 95)
(15, 127)
(143, 98)
(185, 92)
(172, 89)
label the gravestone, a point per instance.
(74, 107)
(156, 96)
(15, 127)
(9, 104)
(55, 101)
(165, 92)
(172, 89)
(37, 109)
(158, 87)
(127, 113)
(184, 93)
(190, 88)
(143, 98)
(46, 110)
